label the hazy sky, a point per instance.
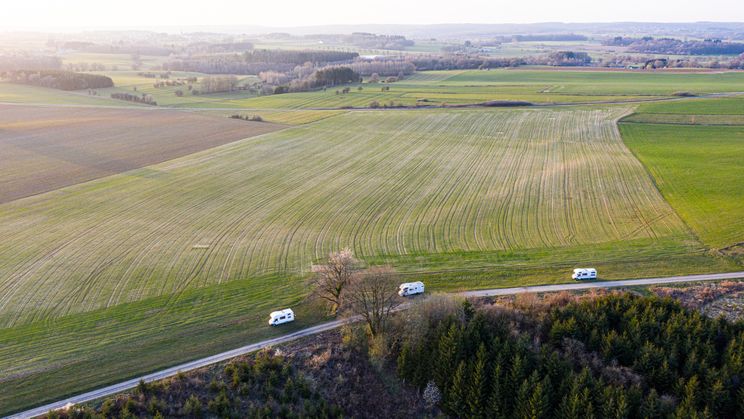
(54, 14)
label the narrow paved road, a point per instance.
(118, 388)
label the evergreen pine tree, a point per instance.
(570, 407)
(539, 405)
(522, 402)
(718, 398)
(495, 408)
(447, 359)
(740, 403)
(455, 399)
(478, 391)
(651, 406)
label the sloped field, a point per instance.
(45, 148)
(385, 183)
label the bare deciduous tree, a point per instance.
(331, 278)
(373, 295)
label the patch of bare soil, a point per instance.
(714, 300)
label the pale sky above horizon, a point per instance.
(60, 14)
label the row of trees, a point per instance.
(59, 79)
(383, 67)
(143, 98)
(139, 48)
(321, 78)
(650, 45)
(217, 84)
(568, 58)
(363, 40)
(16, 62)
(618, 356)
(472, 62)
(257, 61)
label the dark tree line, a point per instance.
(473, 62)
(59, 79)
(569, 58)
(333, 76)
(115, 48)
(144, 98)
(29, 62)
(650, 45)
(256, 61)
(366, 40)
(462, 62)
(618, 356)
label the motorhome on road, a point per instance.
(411, 288)
(584, 273)
(281, 316)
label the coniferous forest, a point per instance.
(617, 356)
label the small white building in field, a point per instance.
(281, 316)
(411, 288)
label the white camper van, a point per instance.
(584, 273)
(281, 316)
(411, 288)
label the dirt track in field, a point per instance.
(43, 149)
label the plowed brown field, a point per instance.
(46, 148)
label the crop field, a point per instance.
(597, 83)
(380, 182)
(23, 94)
(46, 148)
(685, 119)
(406, 94)
(283, 116)
(712, 106)
(697, 167)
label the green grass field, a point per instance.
(714, 107)
(698, 170)
(19, 93)
(685, 119)
(593, 83)
(694, 149)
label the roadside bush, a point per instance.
(354, 337)
(192, 407)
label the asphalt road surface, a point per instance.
(126, 385)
